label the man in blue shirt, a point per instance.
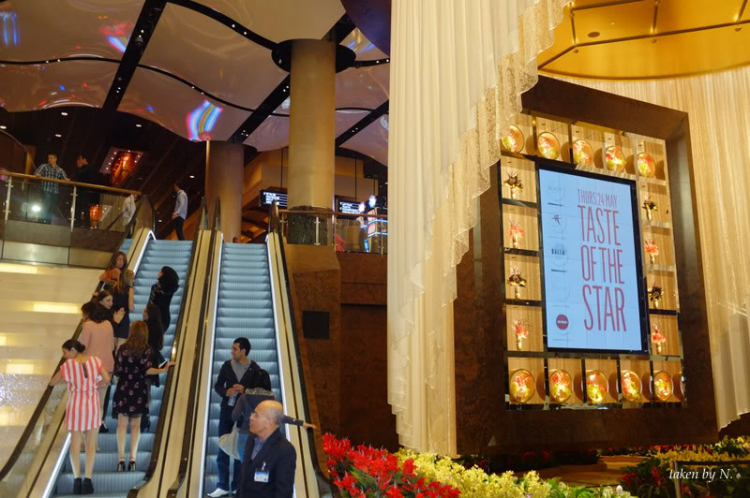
(180, 210)
(50, 190)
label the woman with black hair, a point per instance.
(152, 317)
(81, 372)
(162, 291)
(105, 299)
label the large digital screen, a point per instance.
(594, 297)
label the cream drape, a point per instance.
(458, 68)
(718, 107)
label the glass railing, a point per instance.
(69, 204)
(362, 232)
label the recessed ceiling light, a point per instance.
(594, 34)
(192, 176)
(58, 135)
(138, 125)
(159, 221)
(64, 113)
(3, 127)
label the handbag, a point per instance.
(228, 443)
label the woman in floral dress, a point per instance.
(132, 365)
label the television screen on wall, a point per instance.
(594, 294)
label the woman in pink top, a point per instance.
(99, 338)
(83, 413)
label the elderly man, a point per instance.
(270, 460)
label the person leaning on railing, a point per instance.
(50, 190)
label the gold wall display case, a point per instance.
(563, 380)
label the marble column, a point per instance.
(224, 180)
(312, 138)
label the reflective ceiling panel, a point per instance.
(279, 21)
(646, 39)
(214, 57)
(676, 55)
(37, 30)
(36, 87)
(273, 133)
(366, 87)
(178, 108)
(613, 21)
(675, 15)
(363, 47)
(372, 141)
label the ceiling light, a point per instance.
(64, 113)
(3, 127)
(58, 135)
(233, 25)
(159, 221)
(138, 125)
(245, 32)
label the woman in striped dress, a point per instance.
(83, 414)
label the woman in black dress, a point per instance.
(123, 297)
(162, 291)
(152, 317)
(132, 364)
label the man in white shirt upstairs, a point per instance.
(180, 210)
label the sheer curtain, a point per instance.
(718, 107)
(458, 68)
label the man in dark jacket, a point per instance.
(85, 173)
(270, 460)
(235, 376)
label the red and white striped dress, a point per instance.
(82, 412)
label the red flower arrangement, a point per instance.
(364, 471)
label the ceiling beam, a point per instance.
(363, 123)
(142, 31)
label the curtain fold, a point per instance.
(718, 107)
(458, 68)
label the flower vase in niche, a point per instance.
(652, 250)
(614, 158)
(650, 206)
(516, 233)
(516, 281)
(561, 386)
(513, 182)
(521, 331)
(655, 294)
(658, 339)
(513, 141)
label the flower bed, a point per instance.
(655, 475)
(366, 472)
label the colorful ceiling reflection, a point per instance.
(10, 32)
(202, 120)
(118, 35)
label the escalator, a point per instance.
(246, 294)
(106, 480)
(244, 309)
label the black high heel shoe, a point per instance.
(131, 466)
(87, 487)
(121, 466)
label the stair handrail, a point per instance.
(275, 226)
(159, 433)
(188, 442)
(39, 409)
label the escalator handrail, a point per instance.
(29, 429)
(159, 433)
(275, 226)
(187, 440)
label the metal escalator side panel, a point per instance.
(289, 371)
(199, 450)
